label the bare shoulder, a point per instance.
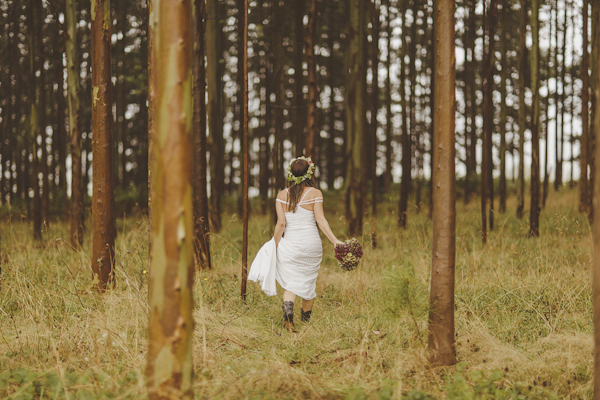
(282, 195)
(315, 193)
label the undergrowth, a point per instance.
(523, 314)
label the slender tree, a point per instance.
(103, 205)
(214, 76)
(374, 110)
(388, 101)
(522, 110)
(309, 51)
(592, 133)
(504, 39)
(534, 212)
(298, 111)
(169, 369)
(73, 86)
(442, 349)
(246, 172)
(355, 120)
(151, 62)
(487, 182)
(470, 99)
(201, 218)
(34, 93)
(584, 145)
(406, 183)
(596, 197)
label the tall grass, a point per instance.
(523, 315)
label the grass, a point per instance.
(523, 315)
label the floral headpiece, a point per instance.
(299, 179)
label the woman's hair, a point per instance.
(299, 168)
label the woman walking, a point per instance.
(299, 249)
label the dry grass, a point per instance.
(523, 307)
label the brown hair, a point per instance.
(299, 168)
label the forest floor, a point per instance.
(523, 314)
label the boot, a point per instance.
(306, 316)
(288, 315)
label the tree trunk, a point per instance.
(534, 212)
(215, 120)
(279, 90)
(405, 185)
(374, 112)
(596, 193)
(504, 38)
(43, 163)
(245, 171)
(34, 92)
(121, 142)
(592, 132)
(558, 180)
(201, 232)
(442, 349)
(388, 178)
(487, 182)
(170, 326)
(298, 96)
(76, 217)
(355, 121)
(151, 135)
(309, 51)
(522, 110)
(331, 153)
(103, 200)
(584, 145)
(469, 98)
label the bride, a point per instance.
(299, 250)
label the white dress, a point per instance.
(300, 251)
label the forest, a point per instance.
(143, 144)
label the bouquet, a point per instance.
(348, 254)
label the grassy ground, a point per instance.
(523, 315)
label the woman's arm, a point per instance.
(323, 224)
(280, 226)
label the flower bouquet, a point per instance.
(348, 254)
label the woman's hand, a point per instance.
(337, 241)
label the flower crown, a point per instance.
(299, 179)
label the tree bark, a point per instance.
(201, 219)
(245, 171)
(442, 349)
(406, 183)
(309, 51)
(355, 121)
(374, 111)
(504, 38)
(34, 97)
(170, 326)
(534, 212)
(593, 132)
(73, 87)
(584, 145)
(42, 122)
(522, 110)
(215, 121)
(103, 203)
(469, 97)
(558, 180)
(298, 111)
(596, 195)
(487, 183)
(388, 178)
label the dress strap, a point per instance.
(281, 201)
(302, 199)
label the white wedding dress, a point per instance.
(300, 251)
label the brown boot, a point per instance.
(288, 316)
